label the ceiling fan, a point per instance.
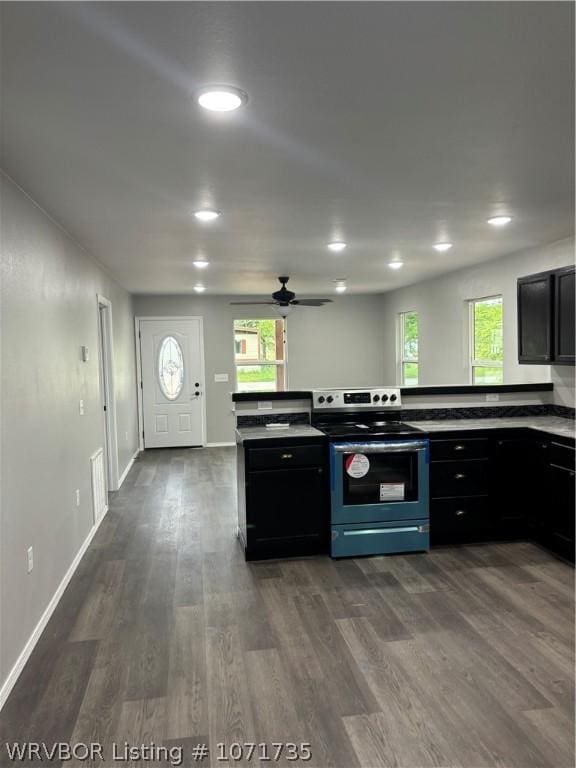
(284, 300)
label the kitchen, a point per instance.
(289, 288)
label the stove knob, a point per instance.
(376, 398)
(384, 398)
(321, 399)
(393, 398)
(329, 399)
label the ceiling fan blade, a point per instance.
(253, 303)
(311, 302)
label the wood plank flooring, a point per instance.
(460, 658)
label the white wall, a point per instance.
(441, 304)
(335, 345)
(48, 311)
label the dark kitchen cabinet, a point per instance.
(546, 317)
(535, 318)
(555, 479)
(285, 501)
(512, 461)
(459, 503)
(564, 316)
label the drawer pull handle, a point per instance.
(460, 512)
(286, 456)
(459, 476)
(459, 447)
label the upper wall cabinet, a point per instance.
(546, 317)
(564, 317)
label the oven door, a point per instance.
(379, 481)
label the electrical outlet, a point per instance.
(81, 407)
(265, 405)
(493, 397)
(77, 497)
(30, 553)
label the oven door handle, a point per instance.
(410, 446)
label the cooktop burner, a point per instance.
(372, 429)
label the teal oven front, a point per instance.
(379, 497)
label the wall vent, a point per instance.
(99, 501)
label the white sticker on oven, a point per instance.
(391, 491)
(357, 465)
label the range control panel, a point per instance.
(387, 397)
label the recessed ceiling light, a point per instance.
(499, 221)
(200, 263)
(199, 288)
(221, 98)
(441, 247)
(395, 264)
(206, 214)
(340, 288)
(337, 246)
(340, 285)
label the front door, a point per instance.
(172, 382)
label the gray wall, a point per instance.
(335, 345)
(48, 311)
(441, 304)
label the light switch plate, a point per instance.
(81, 407)
(220, 377)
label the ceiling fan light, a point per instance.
(283, 310)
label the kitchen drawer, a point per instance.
(459, 478)
(286, 456)
(562, 455)
(379, 538)
(463, 519)
(468, 448)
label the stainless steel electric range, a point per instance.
(378, 473)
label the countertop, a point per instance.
(553, 425)
(290, 431)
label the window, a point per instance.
(408, 357)
(170, 368)
(259, 355)
(486, 348)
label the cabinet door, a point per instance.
(535, 319)
(561, 511)
(285, 505)
(564, 317)
(510, 490)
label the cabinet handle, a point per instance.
(460, 512)
(286, 456)
(459, 476)
(459, 447)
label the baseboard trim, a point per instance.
(220, 445)
(16, 670)
(128, 468)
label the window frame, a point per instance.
(401, 359)
(242, 364)
(472, 362)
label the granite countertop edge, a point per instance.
(554, 425)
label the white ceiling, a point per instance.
(391, 125)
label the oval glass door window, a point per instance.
(170, 368)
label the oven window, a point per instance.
(380, 478)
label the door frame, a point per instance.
(108, 390)
(139, 380)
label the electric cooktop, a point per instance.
(371, 430)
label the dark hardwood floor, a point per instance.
(461, 657)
